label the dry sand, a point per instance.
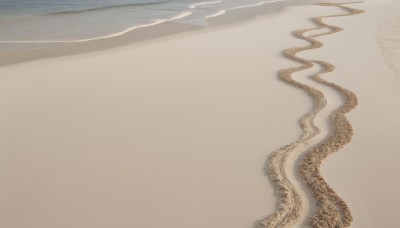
(175, 131)
(332, 210)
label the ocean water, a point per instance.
(59, 21)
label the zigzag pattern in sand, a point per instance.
(289, 205)
(333, 212)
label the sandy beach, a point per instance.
(178, 126)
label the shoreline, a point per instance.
(176, 132)
(146, 34)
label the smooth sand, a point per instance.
(389, 38)
(174, 132)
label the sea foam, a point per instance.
(43, 23)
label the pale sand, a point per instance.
(332, 210)
(389, 39)
(174, 132)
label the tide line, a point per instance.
(219, 13)
(194, 6)
(257, 4)
(156, 22)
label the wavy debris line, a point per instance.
(289, 204)
(332, 210)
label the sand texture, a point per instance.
(290, 203)
(389, 39)
(185, 128)
(333, 211)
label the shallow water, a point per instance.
(52, 21)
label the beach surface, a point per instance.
(175, 131)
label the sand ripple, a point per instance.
(332, 210)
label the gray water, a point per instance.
(52, 21)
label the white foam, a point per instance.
(156, 22)
(257, 4)
(193, 6)
(221, 12)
